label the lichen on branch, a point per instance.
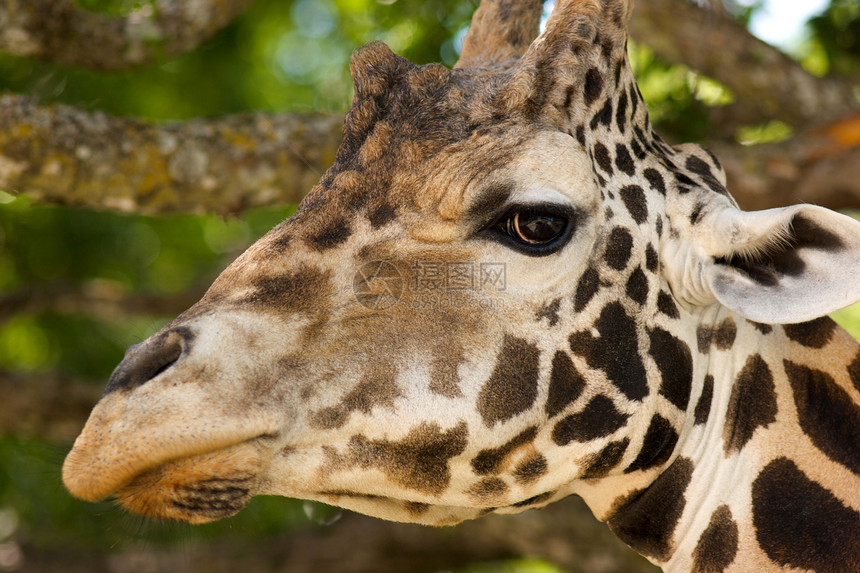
(60, 31)
(62, 155)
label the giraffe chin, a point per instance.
(197, 489)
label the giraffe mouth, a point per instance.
(197, 489)
(168, 476)
(159, 468)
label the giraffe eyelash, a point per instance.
(534, 230)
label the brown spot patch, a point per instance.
(416, 508)
(589, 284)
(637, 286)
(530, 469)
(335, 233)
(444, 379)
(699, 167)
(652, 261)
(813, 334)
(550, 312)
(657, 445)
(378, 388)
(381, 214)
(593, 85)
(798, 523)
(621, 113)
(618, 248)
(725, 334)
(703, 406)
(419, 461)
(666, 305)
(718, 544)
(615, 351)
(337, 493)
(751, 405)
(513, 385)
(722, 336)
(602, 117)
(624, 162)
(675, 363)
(280, 241)
(565, 384)
(655, 180)
(536, 500)
(602, 158)
(301, 291)
(488, 490)
(854, 372)
(763, 328)
(646, 520)
(827, 414)
(603, 461)
(598, 419)
(490, 460)
(634, 199)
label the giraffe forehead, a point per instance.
(445, 196)
(414, 139)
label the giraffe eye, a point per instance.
(535, 230)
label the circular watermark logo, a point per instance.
(378, 285)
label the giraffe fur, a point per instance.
(660, 352)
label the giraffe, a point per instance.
(508, 289)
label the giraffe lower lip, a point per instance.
(194, 502)
(197, 489)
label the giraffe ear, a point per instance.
(781, 266)
(500, 30)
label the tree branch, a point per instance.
(59, 31)
(62, 155)
(821, 166)
(764, 78)
(96, 300)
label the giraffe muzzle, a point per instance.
(159, 417)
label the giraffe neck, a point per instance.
(728, 494)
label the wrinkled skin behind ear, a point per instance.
(780, 266)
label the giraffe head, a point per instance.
(476, 309)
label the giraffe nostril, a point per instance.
(146, 360)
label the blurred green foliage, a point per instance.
(677, 97)
(513, 566)
(281, 55)
(837, 33)
(54, 250)
(113, 7)
(30, 489)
